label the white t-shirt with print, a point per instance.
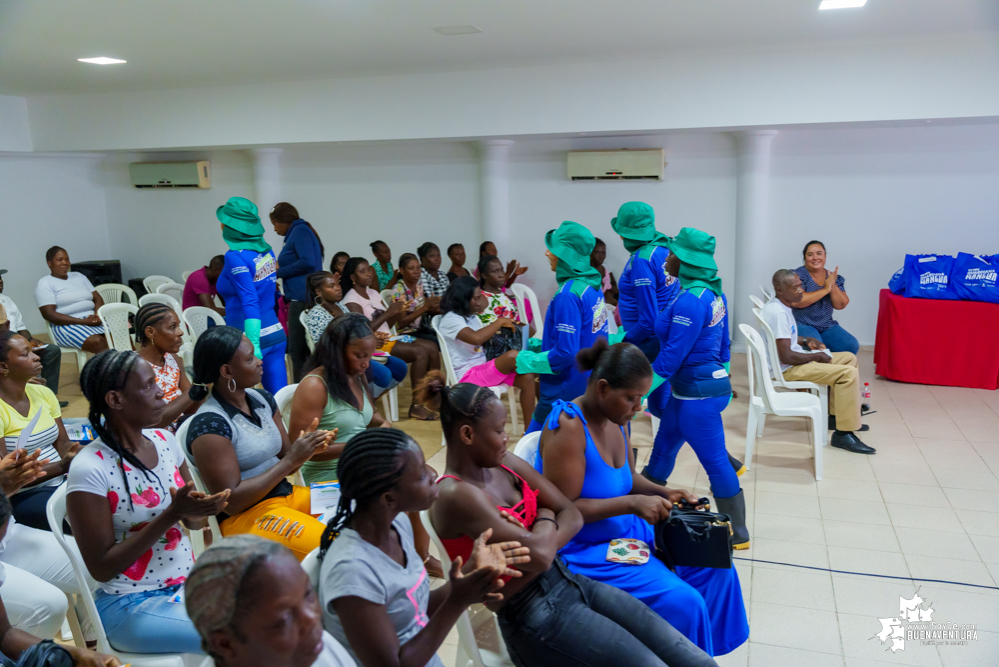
(73, 296)
(463, 355)
(780, 319)
(95, 470)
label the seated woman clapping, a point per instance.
(127, 493)
(159, 333)
(374, 589)
(254, 605)
(585, 451)
(465, 334)
(550, 616)
(238, 441)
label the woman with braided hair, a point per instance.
(550, 616)
(127, 492)
(159, 333)
(374, 590)
(253, 605)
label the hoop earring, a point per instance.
(232, 385)
(319, 300)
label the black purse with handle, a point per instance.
(693, 537)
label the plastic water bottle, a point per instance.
(867, 391)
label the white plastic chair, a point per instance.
(152, 282)
(283, 399)
(56, 513)
(757, 302)
(522, 294)
(113, 293)
(387, 296)
(390, 397)
(768, 292)
(528, 447)
(768, 400)
(114, 317)
(172, 289)
(185, 275)
(452, 379)
(197, 539)
(611, 322)
(163, 298)
(197, 317)
(81, 356)
(820, 390)
(469, 652)
(312, 566)
(308, 334)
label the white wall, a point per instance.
(46, 202)
(15, 128)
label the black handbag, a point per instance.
(693, 537)
(503, 341)
(45, 654)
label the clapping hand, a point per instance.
(831, 278)
(309, 443)
(188, 503)
(498, 557)
(18, 469)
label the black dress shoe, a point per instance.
(865, 407)
(63, 404)
(851, 443)
(832, 425)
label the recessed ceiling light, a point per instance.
(103, 60)
(457, 30)
(842, 4)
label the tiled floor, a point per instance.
(926, 505)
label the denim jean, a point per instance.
(836, 338)
(148, 622)
(565, 619)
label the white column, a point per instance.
(752, 225)
(267, 189)
(494, 189)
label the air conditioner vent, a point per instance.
(616, 165)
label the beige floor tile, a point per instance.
(737, 658)
(849, 559)
(916, 516)
(942, 428)
(850, 489)
(933, 446)
(987, 547)
(799, 485)
(970, 463)
(796, 553)
(788, 504)
(979, 523)
(839, 467)
(448, 653)
(793, 587)
(794, 627)
(981, 653)
(866, 535)
(859, 640)
(763, 655)
(892, 474)
(949, 569)
(927, 542)
(988, 447)
(787, 528)
(870, 596)
(993, 570)
(856, 511)
(910, 494)
(961, 604)
(963, 499)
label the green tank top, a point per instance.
(350, 421)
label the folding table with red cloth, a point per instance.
(930, 341)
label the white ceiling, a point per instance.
(189, 43)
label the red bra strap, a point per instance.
(524, 484)
(449, 477)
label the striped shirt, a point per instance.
(46, 431)
(819, 314)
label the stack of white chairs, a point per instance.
(56, 513)
(764, 399)
(114, 317)
(452, 379)
(757, 302)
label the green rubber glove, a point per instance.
(533, 362)
(727, 365)
(657, 381)
(616, 337)
(252, 330)
(534, 344)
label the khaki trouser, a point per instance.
(843, 379)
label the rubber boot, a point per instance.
(738, 466)
(646, 475)
(735, 508)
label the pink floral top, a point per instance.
(401, 291)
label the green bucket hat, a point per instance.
(695, 250)
(242, 228)
(636, 224)
(572, 243)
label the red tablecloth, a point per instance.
(951, 343)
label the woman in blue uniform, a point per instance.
(249, 286)
(585, 452)
(576, 317)
(645, 288)
(695, 386)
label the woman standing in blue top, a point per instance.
(692, 376)
(301, 256)
(576, 317)
(585, 452)
(645, 287)
(249, 286)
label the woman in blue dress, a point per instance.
(249, 286)
(585, 452)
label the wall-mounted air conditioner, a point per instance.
(171, 174)
(624, 165)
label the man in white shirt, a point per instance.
(837, 370)
(50, 355)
